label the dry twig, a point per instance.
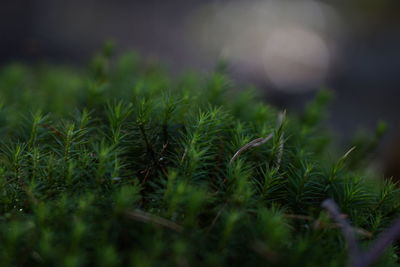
(263, 140)
(254, 143)
(142, 216)
(378, 247)
(348, 232)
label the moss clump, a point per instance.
(122, 165)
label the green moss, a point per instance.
(122, 165)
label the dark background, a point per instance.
(364, 69)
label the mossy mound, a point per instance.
(122, 165)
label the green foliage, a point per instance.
(122, 165)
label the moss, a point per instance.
(121, 164)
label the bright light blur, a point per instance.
(295, 57)
(291, 43)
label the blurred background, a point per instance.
(287, 49)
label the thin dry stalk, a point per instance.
(254, 143)
(317, 224)
(348, 232)
(280, 151)
(144, 217)
(379, 246)
(375, 251)
(263, 140)
(281, 119)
